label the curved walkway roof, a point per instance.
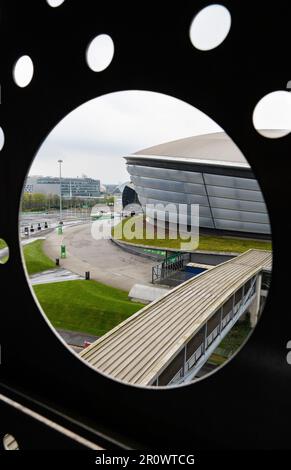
(139, 348)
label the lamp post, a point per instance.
(60, 163)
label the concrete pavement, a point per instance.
(106, 262)
(54, 275)
(76, 338)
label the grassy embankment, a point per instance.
(231, 343)
(84, 306)
(206, 242)
(35, 259)
(2, 244)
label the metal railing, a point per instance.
(212, 339)
(168, 266)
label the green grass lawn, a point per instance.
(2, 244)
(231, 343)
(85, 306)
(235, 337)
(206, 242)
(35, 259)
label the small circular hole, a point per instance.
(55, 3)
(210, 27)
(272, 114)
(4, 251)
(23, 71)
(10, 443)
(100, 53)
(2, 138)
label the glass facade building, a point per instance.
(71, 187)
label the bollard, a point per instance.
(87, 275)
(57, 261)
(60, 230)
(63, 251)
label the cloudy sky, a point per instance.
(93, 139)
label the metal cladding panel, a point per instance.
(166, 185)
(233, 193)
(242, 226)
(165, 173)
(169, 196)
(201, 200)
(174, 209)
(231, 182)
(206, 222)
(236, 204)
(240, 216)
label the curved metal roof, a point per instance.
(213, 148)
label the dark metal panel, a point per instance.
(237, 204)
(172, 369)
(195, 342)
(222, 84)
(242, 216)
(242, 226)
(213, 322)
(231, 182)
(233, 193)
(164, 173)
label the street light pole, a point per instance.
(61, 217)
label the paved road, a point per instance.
(31, 218)
(76, 338)
(106, 262)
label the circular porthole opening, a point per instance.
(100, 53)
(55, 3)
(23, 71)
(210, 27)
(4, 251)
(10, 443)
(272, 114)
(2, 138)
(148, 252)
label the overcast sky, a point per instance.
(93, 139)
